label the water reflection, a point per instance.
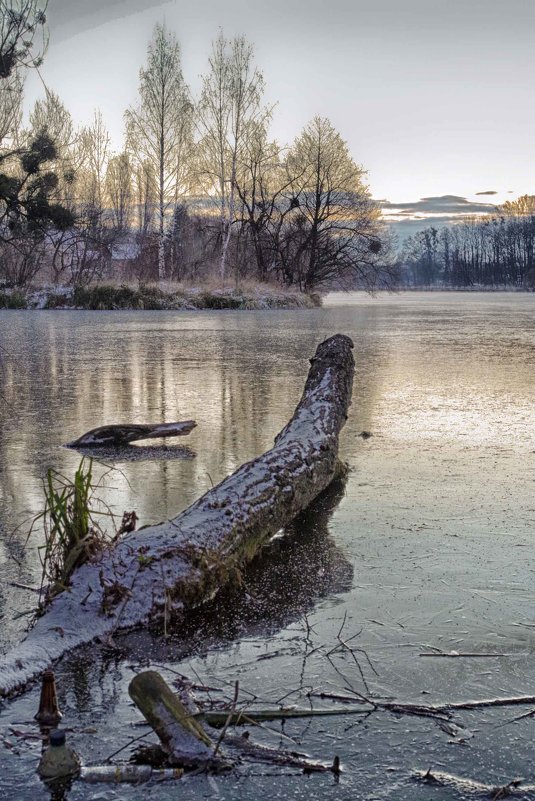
(137, 453)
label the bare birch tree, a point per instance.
(230, 108)
(145, 192)
(159, 128)
(119, 189)
(94, 155)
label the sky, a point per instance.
(436, 99)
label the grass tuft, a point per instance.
(72, 533)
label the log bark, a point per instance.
(124, 433)
(175, 565)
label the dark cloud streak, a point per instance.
(444, 204)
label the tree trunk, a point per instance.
(173, 566)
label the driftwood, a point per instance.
(123, 434)
(173, 566)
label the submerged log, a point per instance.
(170, 567)
(123, 434)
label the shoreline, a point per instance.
(125, 297)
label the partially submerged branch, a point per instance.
(124, 433)
(471, 788)
(173, 566)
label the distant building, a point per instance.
(123, 254)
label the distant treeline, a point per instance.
(198, 188)
(490, 251)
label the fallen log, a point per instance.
(167, 568)
(123, 434)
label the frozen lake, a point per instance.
(427, 548)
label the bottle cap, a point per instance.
(57, 737)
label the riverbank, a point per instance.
(109, 296)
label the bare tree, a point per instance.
(261, 183)
(50, 115)
(21, 260)
(94, 154)
(145, 193)
(159, 128)
(119, 189)
(335, 226)
(229, 110)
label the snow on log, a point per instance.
(170, 567)
(124, 433)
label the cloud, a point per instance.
(442, 204)
(488, 192)
(409, 217)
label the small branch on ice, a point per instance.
(471, 788)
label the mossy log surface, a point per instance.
(182, 737)
(167, 568)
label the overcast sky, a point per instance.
(435, 98)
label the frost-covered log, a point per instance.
(168, 568)
(124, 433)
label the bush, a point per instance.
(12, 300)
(58, 301)
(216, 300)
(106, 296)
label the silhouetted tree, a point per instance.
(23, 35)
(27, 192)
(28, 183)
(332, 231)
(497, 250)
